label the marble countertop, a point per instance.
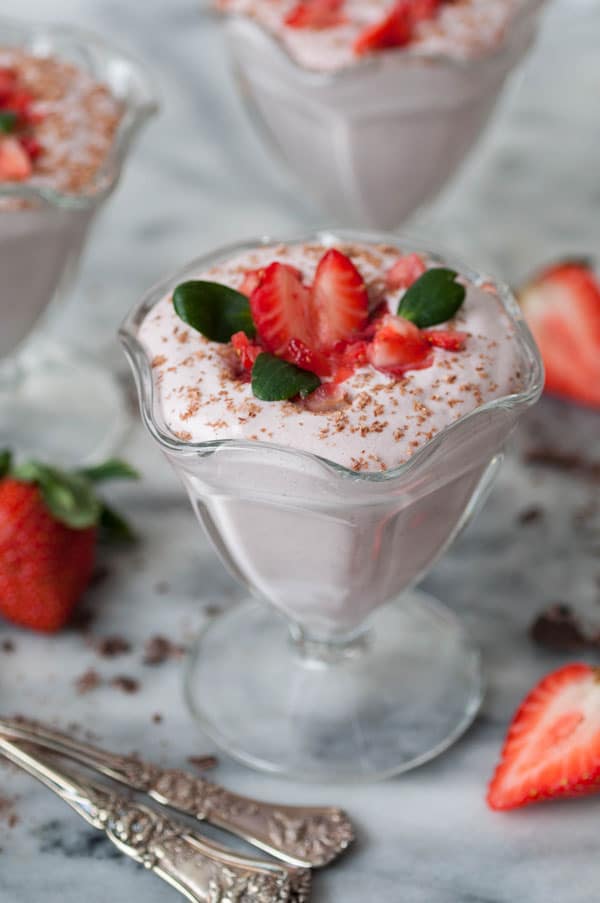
(200, 177)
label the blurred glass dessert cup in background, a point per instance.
(70, 109)
(347, 673)
(374, 135)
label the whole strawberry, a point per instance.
(50, 522)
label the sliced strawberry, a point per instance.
(316, 14)
(399, 346)
(395, 30)
(328, 397)
(405, 271)
(31, 146)
(280, 308)
(448, 339)
(340, 303)
(252, 279)
(562, 308)
(246, 350)
(300, 354)
(553, 745)
(15, 165)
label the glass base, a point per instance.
(60, 407)
(394, 698)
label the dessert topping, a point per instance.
(289, 335)
(18, 147)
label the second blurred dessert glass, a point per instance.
(374, 141)
(53, 400)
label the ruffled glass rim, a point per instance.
(142, 369)
(47, 40)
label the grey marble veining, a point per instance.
(201, 177)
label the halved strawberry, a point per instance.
(252, 279)
(553, 745)
(399, 346)
(31, 146)
(562, 308)
(340, 304)
(448, 339)
(405, 271)
(280, 308)
(15, 165)
(316, 14)
(246, 349)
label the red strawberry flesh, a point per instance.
(552, 749)
(280, 308)
(340, 303)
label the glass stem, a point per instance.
(321, 652)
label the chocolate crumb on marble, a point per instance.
(110, 646)
(159, 649)
(530, 515)
(88, 681)
(7, 646)
(559, 628)
(125, 683)
(157, 718)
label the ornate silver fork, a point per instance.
(202, 871)
(305, 836)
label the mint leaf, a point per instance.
(70, 498)
(5, 462)
(215, 310)
(274, 379)
(113, 469)
(8, 121)
(113, 527)
(434, 298)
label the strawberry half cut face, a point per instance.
(552, 749)
(562, 309)
(399, 346)
(15, 163)
(340, 303)
(280, 309)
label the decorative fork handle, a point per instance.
(305, 836)
(202, 871)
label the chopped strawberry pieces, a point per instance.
(252, 279)
(405, 271)
(328, 397)
(339, 300)
(280, 308)
(15, 165)
(246, 350)
(316, 14)
(448, 339)
(552, 748)
(397, 28)
(31, 146)
(8, 84)
(300, 354)
(562, 309)
(399, 346)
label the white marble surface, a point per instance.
(201, 177)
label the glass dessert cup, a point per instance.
(375, 141)
(54, 401)
(347, 673)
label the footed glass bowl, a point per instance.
(334, 669)
(53, 401)
(375, 141)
